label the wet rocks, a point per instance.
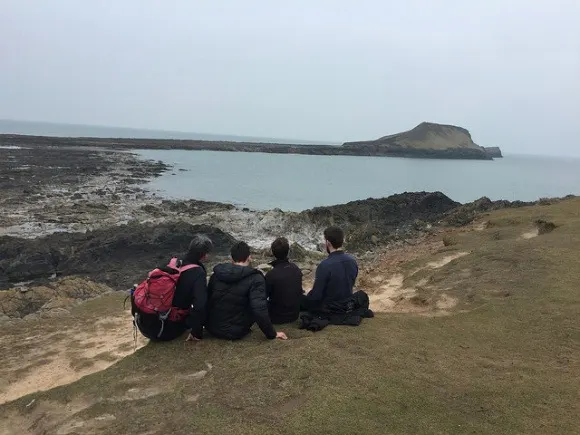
(375, 221)
(118, 256)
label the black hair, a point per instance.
(335, 236)
(240, 252)
(199, 246)
(280, 248)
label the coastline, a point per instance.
(56, 201)
(248, 147)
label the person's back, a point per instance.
(190, 297)
(237, 299)
(283, 285)
(335, 276)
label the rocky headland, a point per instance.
(427, 140)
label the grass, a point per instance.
(507, 360)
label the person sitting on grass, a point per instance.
(283, 285)
(332, 300)
(189, 298)
(335, 276)
(237, 299)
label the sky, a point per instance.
(329, 70)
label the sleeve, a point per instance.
(319, 288)
(259, 306)
(196, 317)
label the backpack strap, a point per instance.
(189, 266)
(173, 263)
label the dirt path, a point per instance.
(391, 293)
(35, 361)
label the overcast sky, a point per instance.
(336, 70)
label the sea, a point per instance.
(297, 182)
(261, 181)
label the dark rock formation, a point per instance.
(119, 256)
(494, 152)
(466, 213)
(377, 221)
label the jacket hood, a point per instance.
(232, 273)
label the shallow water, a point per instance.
(297, 182)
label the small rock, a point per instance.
(193, 398)
(106, 417)
(197, 375)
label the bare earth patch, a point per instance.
(390, 294)
(530, 234)
(39, 362)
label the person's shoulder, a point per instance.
(197, 270)
(257, 275)
(345, 258)
(350, 257)
(295, 267)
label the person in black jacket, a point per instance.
(237, 299)
(283, 285)
(190, 294)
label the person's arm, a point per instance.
(319, 288)
(259, 306)
(196, 317)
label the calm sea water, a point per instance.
(297, 182)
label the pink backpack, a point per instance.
(155, 294)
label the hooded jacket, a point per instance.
(237, 299)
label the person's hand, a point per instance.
(191, 338)
(281, 336)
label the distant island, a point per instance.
(427, 140)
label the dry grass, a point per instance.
(506, 361)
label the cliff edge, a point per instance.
(494, 152)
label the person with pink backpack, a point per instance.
(173, 298)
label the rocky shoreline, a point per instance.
(70, 211)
